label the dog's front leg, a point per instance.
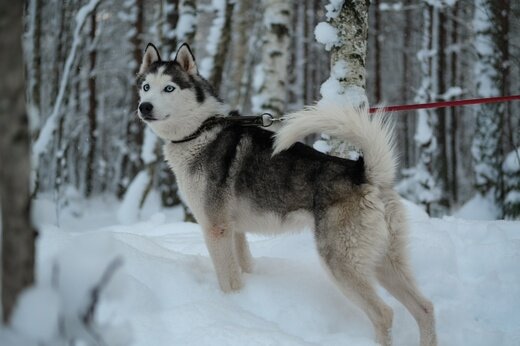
(219, 241)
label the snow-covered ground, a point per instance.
(166, 292)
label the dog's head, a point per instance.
(174, 98)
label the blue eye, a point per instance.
(146, 87)
(169, 88)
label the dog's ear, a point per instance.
(186, 59)
(151, 55)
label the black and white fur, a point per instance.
(239, 179)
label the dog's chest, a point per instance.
(191, 183)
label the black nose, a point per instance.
(146, 108)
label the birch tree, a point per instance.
(17, 232)
(345, 34)
(212, 66)
(271, 74)
(187, 24)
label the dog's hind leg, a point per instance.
(219, 240)
(351, 250)
(395, 275)
(242, 252)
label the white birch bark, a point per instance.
(270, 81)
(345, 33)
(212, 66)
(187, 24)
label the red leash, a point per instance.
(444, 104)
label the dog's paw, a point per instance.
(246, 264)
(231, 284)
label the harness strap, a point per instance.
(264, 120)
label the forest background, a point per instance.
(264, 56)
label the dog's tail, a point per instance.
(373, 134)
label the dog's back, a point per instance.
(240, 163)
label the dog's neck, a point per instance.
(183, 150)
(207, 125)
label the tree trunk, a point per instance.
(377, 54)
(59, 54)
(454, 112)
(212, 66)
(92, 107)
(442, 129)
(241, 25)
(17, 232)
(33, 62)
(187, 25)
(348, 60)
(170, 35)
(491, 74)
(271, 92)
(408, 155)
(352, 26)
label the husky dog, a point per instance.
(239, 179)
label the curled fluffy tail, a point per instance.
(373, 134)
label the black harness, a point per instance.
(264, 120)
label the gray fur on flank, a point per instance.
(238, 179)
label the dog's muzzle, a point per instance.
(146, 110)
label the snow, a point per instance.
(129, 210)
(479, 208)
(333, 8)
(451, 92)
(424, 132)
(327, 35)
(512, 162)
(322, 146)
(385, 6)
(148, 149)
(332, 91)
(36, 314)
(259, 98)
(167, 293)
(512, 197)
